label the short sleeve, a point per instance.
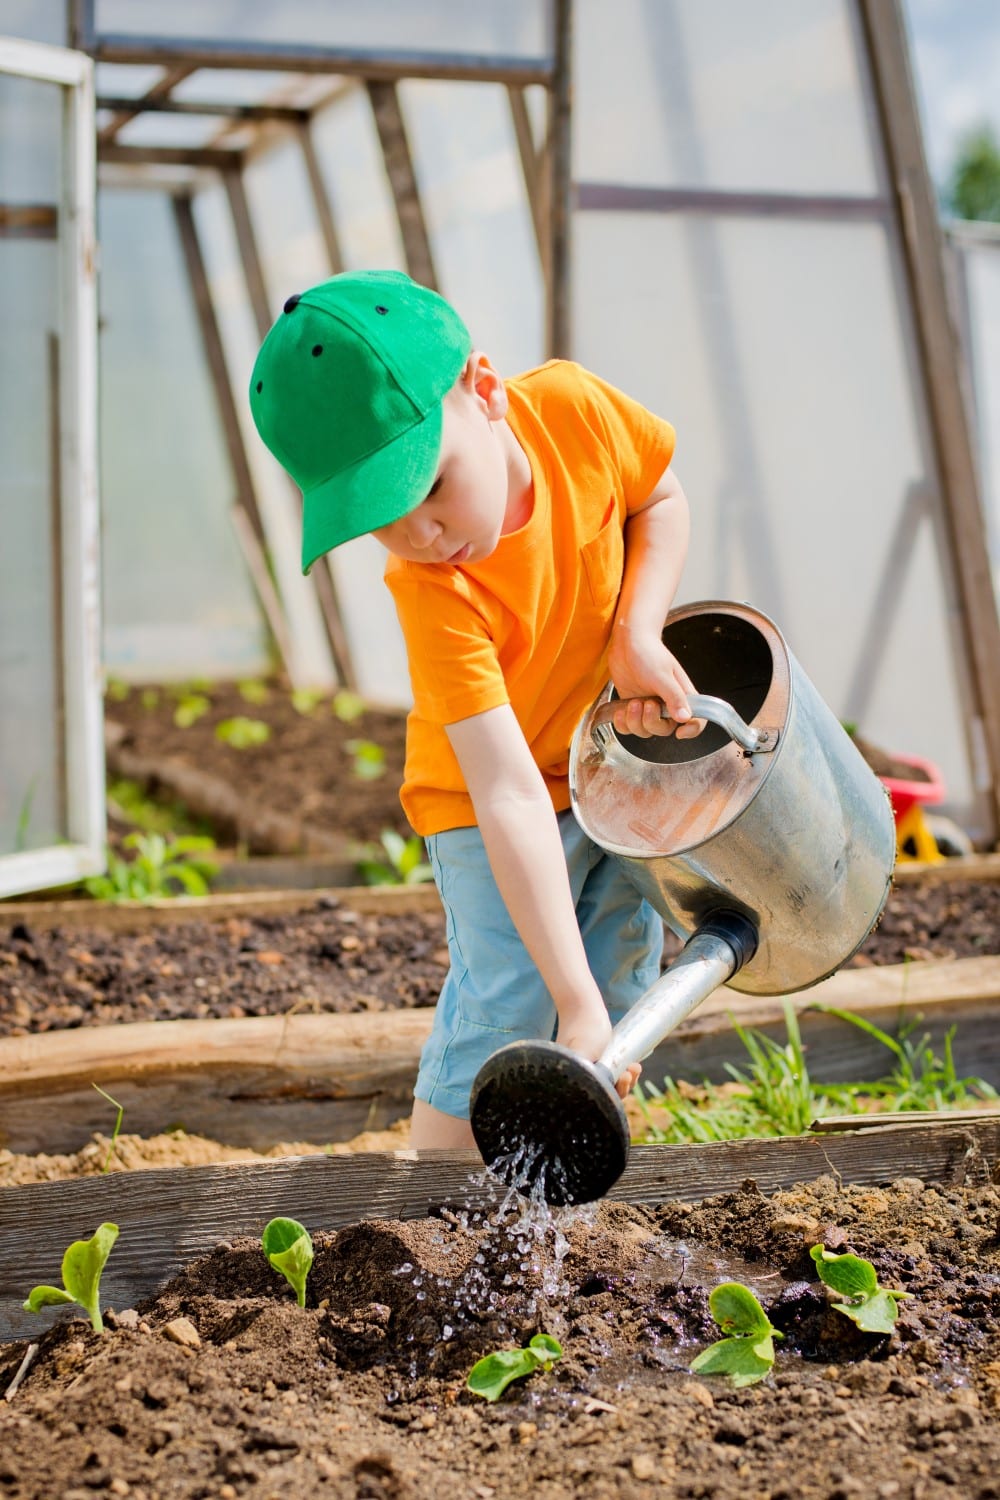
(641, 444)
(453, 661)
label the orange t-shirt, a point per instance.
(530, 624)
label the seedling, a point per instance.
(289, 1249)
(305, 701)
(746, 1355)
(775, 1094)
(369, 759)
(130, 804)
(873, 1307)
(82, 1265)
(118, 1124)
(190, 709)
(253, 691)
(404, 863)
(241, 733)
(348, 706)
(160, 866)
(491, 1375)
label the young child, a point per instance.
(536, 534)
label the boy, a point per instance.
(536, 535)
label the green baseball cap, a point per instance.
(346, 392)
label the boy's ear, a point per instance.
(480, 379)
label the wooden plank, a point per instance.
(967, 867)
(137, 916)
(249, 1082)
(169, 1217)
(322, 1078)
(939, 347)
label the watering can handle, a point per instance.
(702, 706)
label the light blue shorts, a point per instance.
(493, 993)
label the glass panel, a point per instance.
(354, 174)
(478, 217)
(516, 28)
(810, 487)
(164, 129)
(34, 21)
(178, 599)
(32, 791)
(678, 93)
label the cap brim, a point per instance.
(375, 492)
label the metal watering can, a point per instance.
(767, 843)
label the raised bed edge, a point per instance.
(169, 1217)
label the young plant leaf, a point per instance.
(740, 1358)
(491, 1375)
(82, 1266)
(288, 1247)
(747, 1355)
(872, 1307)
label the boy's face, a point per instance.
(465, 512)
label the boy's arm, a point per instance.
(641, 667)
(521, 836)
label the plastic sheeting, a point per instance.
(770, 324)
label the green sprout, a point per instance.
(190, 708)
(118, 1124)
(159, 867)
(255, 692)
(241, 733)
(872, 1307)
(289, 1249)
(369, 759)
(305, 701)
(347, 706)
(776, 1095)
(746, 1355)
(81, 1273)
(491, 1375)
(404, 862)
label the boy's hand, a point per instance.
(589, 1036)
(650, 677)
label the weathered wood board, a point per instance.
(134, 915)
(317, 1078)
(171, 1216)
(137, 916)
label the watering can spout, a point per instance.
(544, 1116)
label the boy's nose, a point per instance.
(422, 529)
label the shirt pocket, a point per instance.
(603, 560)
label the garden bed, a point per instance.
(218, 1385)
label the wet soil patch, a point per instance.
(329, 958)
(221, 1386)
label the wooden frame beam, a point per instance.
(940, 345)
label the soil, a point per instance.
(221, 1386)
(331, 959)
(304, 770)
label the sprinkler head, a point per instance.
(543, 1114)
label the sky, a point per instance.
(956, 58)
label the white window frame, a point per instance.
(83, 720)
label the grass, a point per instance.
(773, 1093)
